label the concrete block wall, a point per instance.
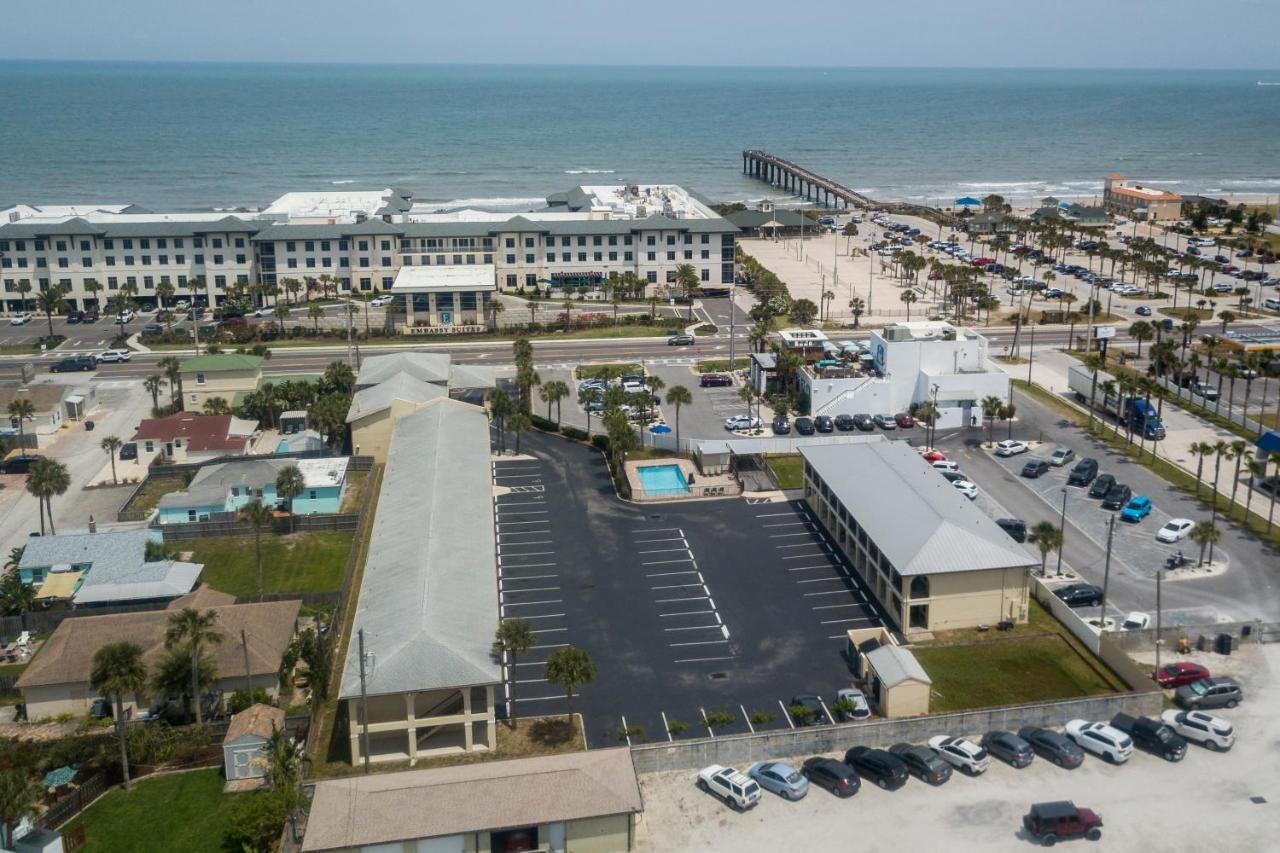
(742, 750)
(1171, 634)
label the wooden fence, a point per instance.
(336, 522)
(75, 802)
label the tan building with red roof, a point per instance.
(1135, 201)
(189, 437)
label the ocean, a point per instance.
(223, 135)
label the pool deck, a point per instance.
(709, 486)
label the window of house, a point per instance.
(199, 378)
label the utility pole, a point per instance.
(1106, 570)
(732, 314)
(347, 306)
(1031, 353)
(364, 706)
(1159, 573)
(1062, 530)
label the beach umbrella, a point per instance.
(968, 201)
(57, 778)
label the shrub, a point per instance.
(154, 743)
(801, 714)
(573, 432)
(600, 442)
(243, 698)
(635, 733)
(677, 727)
(539, 422)
(719, 719)
(762, 718)
(255, 820)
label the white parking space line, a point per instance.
(820, 580)
(530, 578)
(842, 621)
(514, 476)
(834, 606)
(663, 539)
(668, 574)
(805, 545)
(665, 551)
(685, 613)
(699, 643)
(688, 598)
(789, 535)
(549, 630)
(695, 628)
(526, 533)
(832, 592)
(775, 514)
(543, 698)
(540, 521)
(523, 565)
(700, 660)
(803, 556)
(783, 523)
(675, 586)
(531, 589)
(530, 681)
(786, 715)
(661, 562)
(533, 603)
(660, 530)
(524, 553)
(527, 511)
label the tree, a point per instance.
(1200, 450)
(677, 396)
(513, 638)
(570, 667)
(316, 313)
(688, 282)
(171, 675)
(194, 630)
(991, 410)
(153, 384)
(654, 384)
(338, 378)
(24, 287)
(172, 368)
(118, 669)
(1241, 454)
(259, 516)
(1047, 538)
(52, 300)
(21, 409)
(1220, 449)
(285, 757)
(328, 414)
(46, 479)
(16, 596)
(18, 796)
(519, 423)
(499, 404)
(586, 397)
(216, 406)
(908, 298)
(1205, 534)
(111, 446)
(857, 307)
(803, 312)
(1141, 331)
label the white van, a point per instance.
(1271, 303)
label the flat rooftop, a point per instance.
(419, 279)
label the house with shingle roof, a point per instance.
(190, 437)
(227, 375)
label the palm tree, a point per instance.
(857, 306)
(285, 757)
(194, 630)
(92, 288)
(258, 516)
(688, 282)
(500, 408)
(46, 479)
(1048, 538)
(513, 637)
(281, 314)
(586, 397)
(991, 410)
(24, 287)
(1200, 450)
(654, 384)
(16, 596)
(216, 406)
(908, 297)
(1205, 534)
(21, 409)
(316, 313)
(677, 396)
(554, 392)
(1141, 331)
(172, 368)
(110, 446)
(1220, 449)
(51, 301)
(18, 796)
(519, 423)
(1256, 470)
(118, 669)
(289, 484)
(1241, 454)
(1007, 411)
(570, 667)
(153, 384)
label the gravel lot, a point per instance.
(1202, 803)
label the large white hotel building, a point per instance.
(365, 240)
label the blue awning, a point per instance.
(1269, 441)
(968, 201)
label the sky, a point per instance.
(828, 33)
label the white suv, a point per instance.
(112, 355)
(963, 754)
(1101, 739)
(729, 785)
(1211, 732)
(1010, 447)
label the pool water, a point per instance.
(662, 480)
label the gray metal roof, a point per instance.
(144, 581)
(78, 227)
(894, 665)
(371, 227)
(428, 603)
(106, 549)
(211, 483)
(427, 366)
(913, 515)
(402, 386)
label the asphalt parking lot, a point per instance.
(1206, 802)
(685, 608)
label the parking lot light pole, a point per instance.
(1062, 529)
(1106, 568)
(1159, 574)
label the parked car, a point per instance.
(1138, 508)
(1015, 527)
(1009, 447)
(1061, 456)
(729, 785)
(1213, 733)
(1135, 621)
(1175, 530)
(884, 768)
(961, 753)
(1035, 468)
(781, 426)
(715, 380)
(91, 315)
(1103, 484)
(1079, 594)
(782, 779)
(153, 329)
(1049, 823)
(933, 456)
(74, 363)
(128, 451)
(944, 465)
(101, 710)
(742, 422)
(1052, 746)
(1143, 311)
(860, 710)
(836, 776)
(20, 464)
(966, 488)
(804, 426)
(113, 355)
(844, 423)
(904, 420)
(1117, 497)
(1179, 673)
(1009, 748)
(379, 301)
(22, 318)
(824, 423)
(885, 422)
(1108, 743)
(953, 476)
(1152, 736)
(681, 341)
(74, 316)
(1084, 473)
(1216, 692)
(922, 761)
(125, 316)
(864, 423)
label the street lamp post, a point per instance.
(1062, 529)
(1159, 574)
(1106, 570)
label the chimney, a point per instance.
(93, 525)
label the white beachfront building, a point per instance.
(914, 362)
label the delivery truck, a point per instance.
(1137, 413)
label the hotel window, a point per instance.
(364, 245)
(457, 259)
(344, 262)
(182, 281)
(113, 283)
(582, 257)
(626, 241)
(653, 256)
(706, 275)
(324, 245)
(217, 242)
(310, 245)
(63, 263)
(386, 262)
(311, 263)
(671, 256)
(599, 256)
(131, 280)
(613, 241)
(179, 259)
(239, 259)
(164, 279)
(652, 240)
(40, 246)
(220, 281)
(148, 282)
(177, 243)
(471, 259)
(41, 263)
(162, 243)
(551, 257)
(196, 243)
(424, 260)
(364, 262)
(530, 280)
(510, 242)
(688, 254)
(106, 244)
(111, 260)
(488, 259)
(688, 239)
(528, 259)
(511, 259)
(671, 276)
(292, 263)
(613, 256)
(199, 378)
(706, 238)
(386, 245)
(162, 260)
(146, 260)
(511, 280)
(342, 245)
(387, 281)
(706, 255)
(652, 277)
(86, 262)
(596, 241)
(671, 240)
(62, 246)
(566, 241)
(84, 246)
(582, 241)
(627, 256)
(366, 284)
(198, 260)
(326, 262)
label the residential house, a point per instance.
(50, 402)
(578, 802)
(191, 437)
(1124, 198)
(219, 491)
(991, 223)
(428, 601)
(244, 746)
(103, 568)
(255, 638)
(226, 375)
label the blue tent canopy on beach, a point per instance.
(968, 201)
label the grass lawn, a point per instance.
(720, 365)
(153, 490)
(787, 468)
(301, 562)
(182, 811)
(606, 371)
(12, 668)
(1185, 313)
(1011, 671)
(356, 483)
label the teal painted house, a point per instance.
(219, 491)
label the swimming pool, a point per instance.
(662, 481)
